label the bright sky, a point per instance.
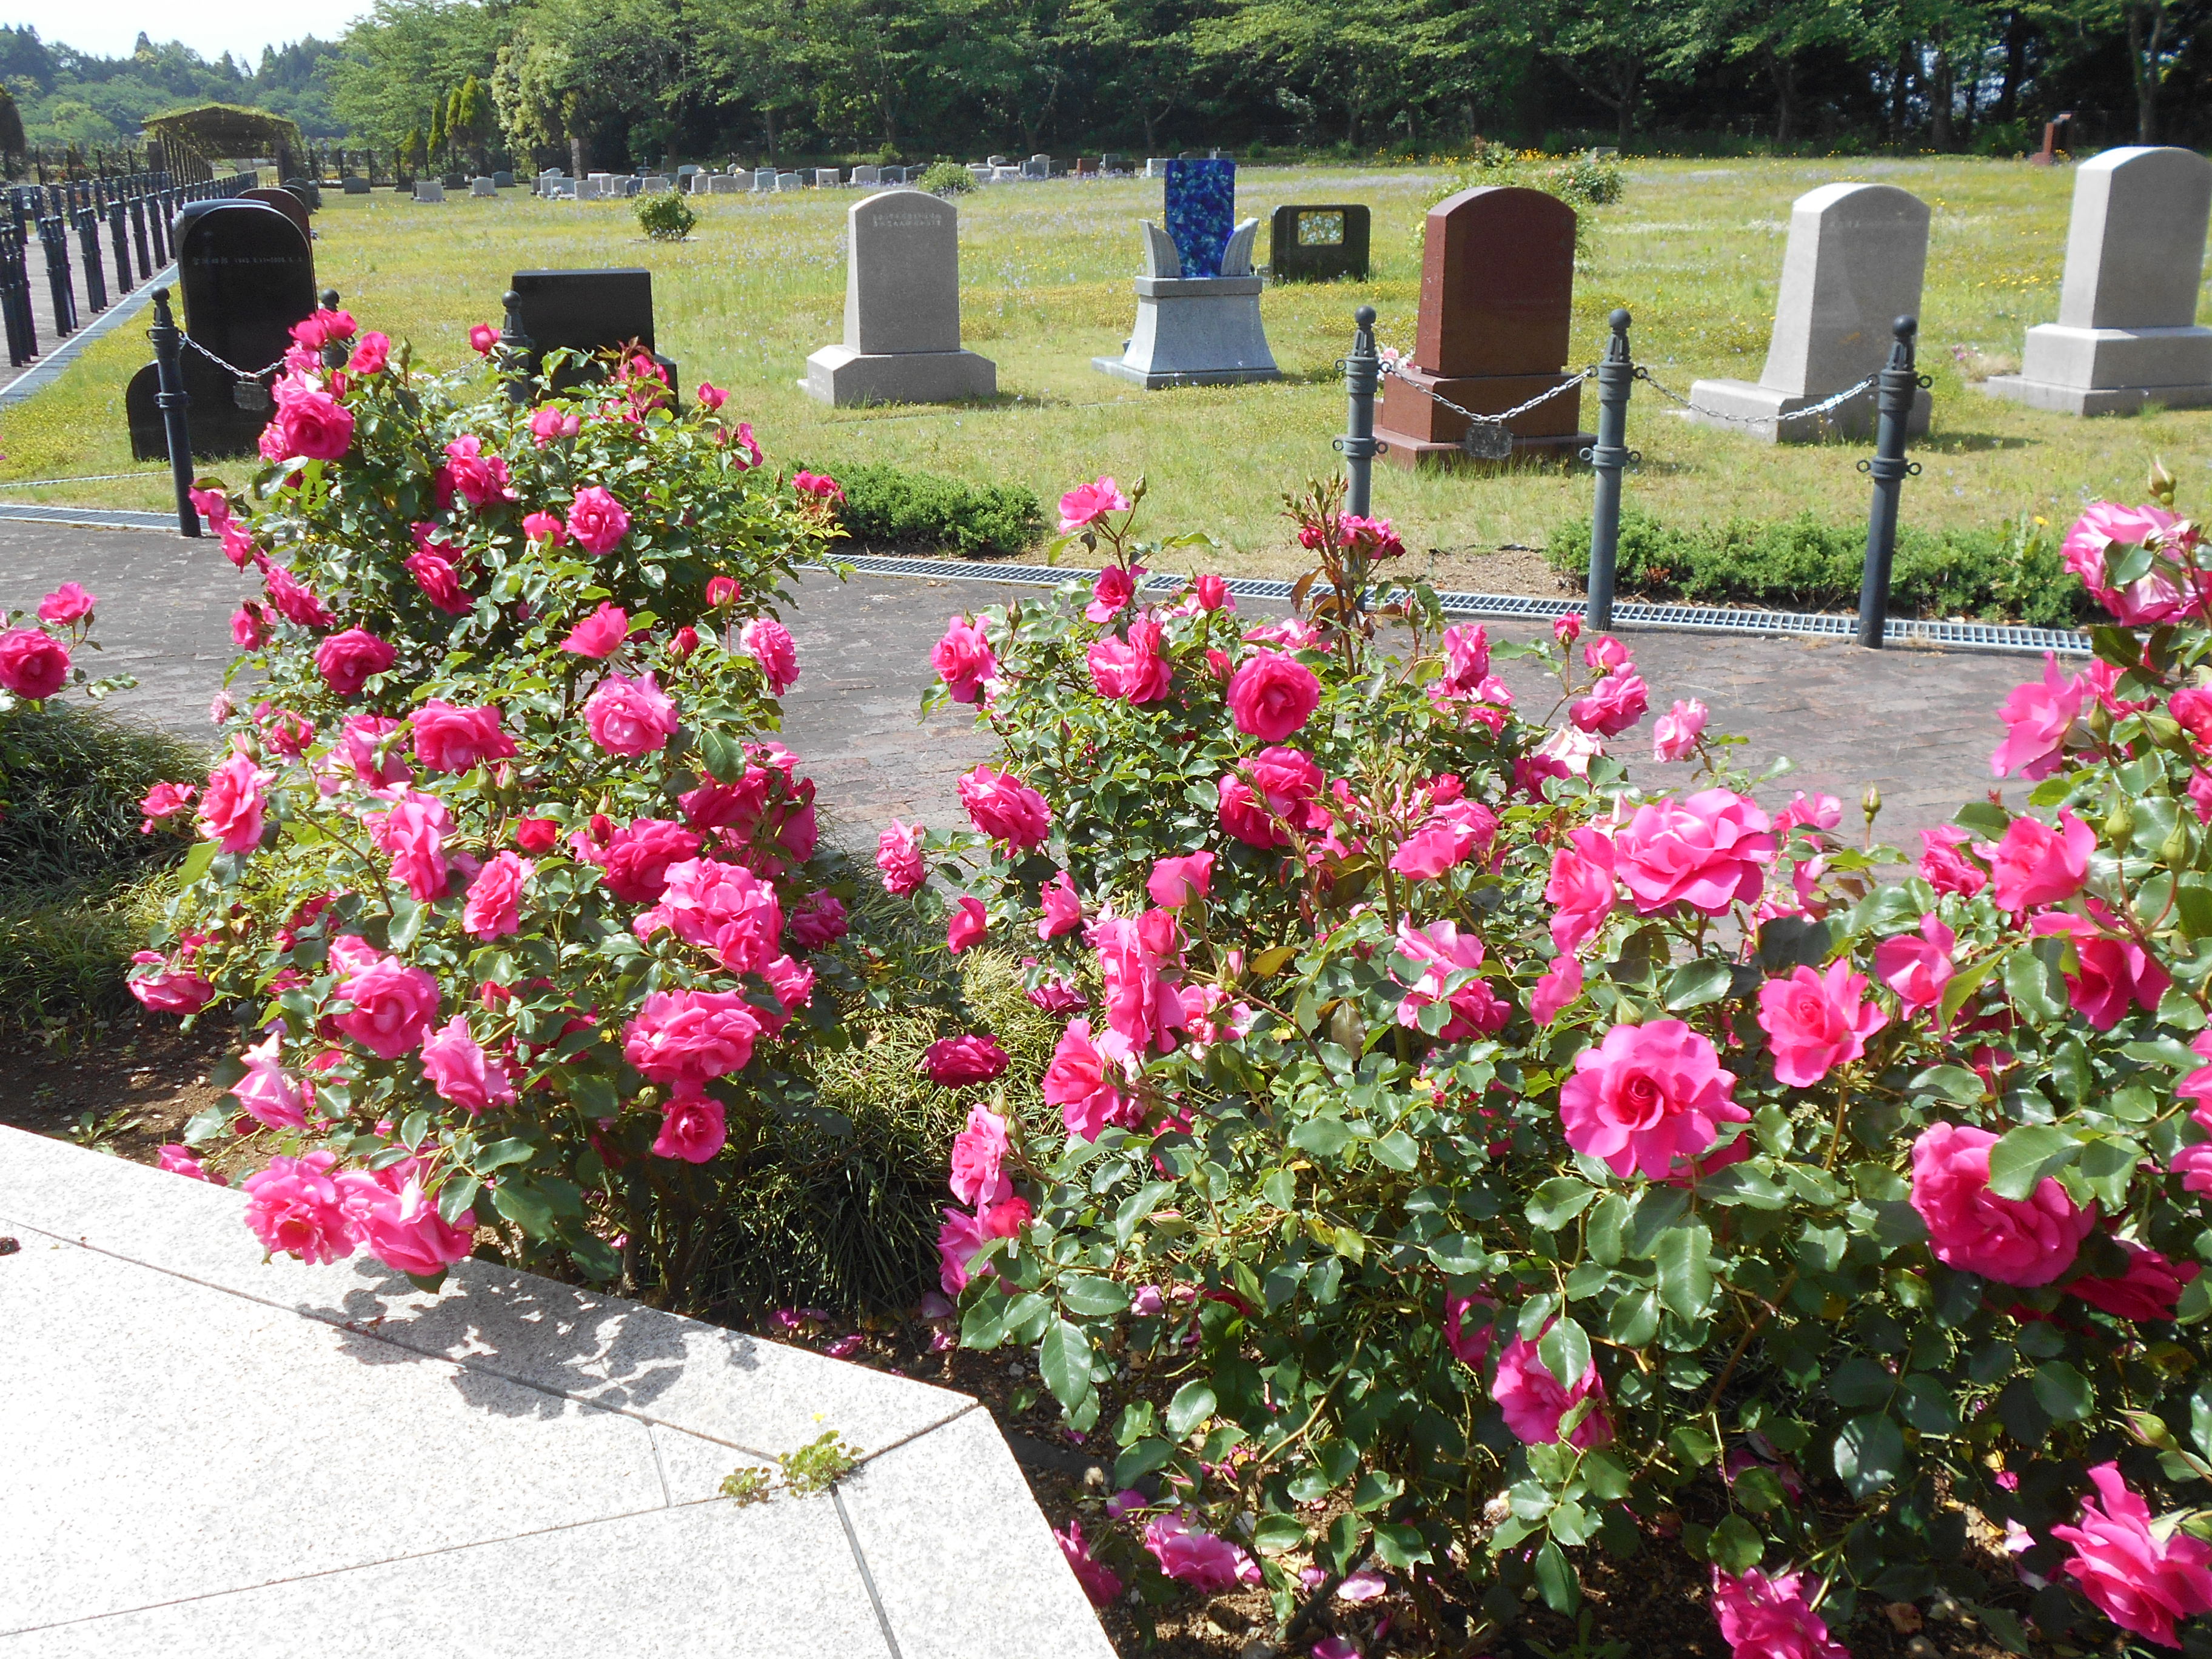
(109, 28)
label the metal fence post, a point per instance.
(168, 359)
(336, 353)
(1616, 375)
(1363, 372)
(137, 206)
(118, 229)
(1893, 397)
(514, 349)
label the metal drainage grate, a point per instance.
(1704, 619)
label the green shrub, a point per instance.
(2012, 574)
(665, 216)
(946, 179)
(890, 504)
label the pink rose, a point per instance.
(971, 921)
(452, 739)
(546, 527)
(689, 1038)
(32, 664)
(1466, 660)
(1764, 1617)
(693, 1128)
(2156, 598)
(721, 908)
(403, 1229)
(1101, 1583)
(364, 748)
(1536, 1402)
(249, 626)
(1605, 653)
(173, 990)
(2141, 1581)
(636, 858)
(955, 1062)
(1814, 1022)
(898, 855)
(1612, 705)
(178, 1160)
(1213, 593)
(370, 353)
(483, 337)
(293, 1207)
(322, 327)
(962, 1236)
(1442, 953)
(1556, 989)
(231, 810)
(2148, 1290)
(1004, 808)
(494, 903)
(1063, 908)
(310, 424)
(1581, 889)
(459, 1070)
(963, 659)
(1078, 1083)
(1704, 852)
(67, 604)
(392, 1004)
(1470, 1348)
(1918, 967)
(1453, 833)
(768, 643)
(723, 591)
(1175, 882)
(2014, 1241)
(547, 424)
(346, 661)
(1114, 589)
(1647, 1095)
(441, 583)
(164, 800)
(412, 833)
(1086, 504)
(979, 1153)
(1131, 671)
(1138, 959)
(275, 1101)
(597, 521)
(2037, 716)
(1945, 864)
(599, 635)
(1674, 734)
(293, 600)
(819, 921)
(819, 486)
(1272, 695)
(1208, 1564)
(630, 717)
(481, 478)
(2035, 865)
(1270, 793)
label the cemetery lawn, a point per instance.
(1693, 249)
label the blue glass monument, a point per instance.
(1198, 299)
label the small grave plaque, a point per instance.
(1318, 244)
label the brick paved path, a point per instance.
(1919, 724)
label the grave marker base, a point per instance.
(1414, 429)
(841, 377)
(1194, 330)
(1756, 409)
(2110, 371)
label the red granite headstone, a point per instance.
(1497, 290)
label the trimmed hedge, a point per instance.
(890, 504)
(2009, 575)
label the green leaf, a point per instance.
(1401, 1544)
(414, 1129)
(2028, 982)
(1695, 983)
(1396, 1151)
(1193, 1404)
(459, 1193)
(722, 754)
(1736, 1545)
(1870, 1452)
(525, 1206)
(1141, 1460)
(2063, 1392)
(501, 1152)
(1278, 1533)
(1953, 1083)
(1324, 1137)
(1092, 1296)
(1634, 1320)
(1565, 1352)
(1555, 1581)
(406, 922)
(1686, 1271)
(196, 863)
(1457, 1254)
(1558, 1201)
(1859, 1383)
(2023, 1157)
(1064, 1361)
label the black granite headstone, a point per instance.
(247, 277)
(587, 311)
(355, 185)
(1318, 244)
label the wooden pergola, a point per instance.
(194, 139)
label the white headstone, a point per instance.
(980, 172)
(429, 190)
(825, 176)
(867, 175)
(720, 183)
(901, 309)
(789, 181)
(482, 187)
(1001, 175)
(2126, 333)
(1853, 265)
(763, 177)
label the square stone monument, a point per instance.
(354, 185)
(1318, 244)
(1198, 301)
(784, 181)
(1498, 296)
(2126, 333)
(1852, 266)
(901, 309)
(867, 175)
(482, 187)
(764, 178)
(429, 190)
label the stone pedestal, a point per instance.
(1418, 429)
(2126, 334)
(1195, 330)
(902, 310)
(1853, 265)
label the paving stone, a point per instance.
(956, 1492)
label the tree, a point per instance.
(12, 143)
(1612, 49)
(1149, 56)
(402, 50)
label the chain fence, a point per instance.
(1486, 437)
(249, 391)
(1833, 400)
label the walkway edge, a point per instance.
(44, 373)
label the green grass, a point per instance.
(1693, 248)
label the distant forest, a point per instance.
(613, 82)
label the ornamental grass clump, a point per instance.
(1469, 1160)
(524, 918)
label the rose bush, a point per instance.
(499, 876)
(1472, 1159)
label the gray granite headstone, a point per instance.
(901, 309)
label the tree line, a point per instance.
(619, 83)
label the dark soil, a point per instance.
(136, 1082)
